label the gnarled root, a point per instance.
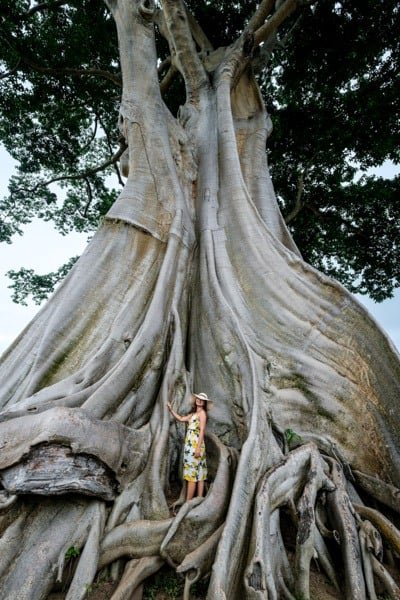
(87, 566)
(268, 571)
(199, 562)
(385, 493)
(342, 516)
(371, 544)
(124, 454)
(387, 580)
(50, 528)
(385, 527)
(134, 540)
(136, 571)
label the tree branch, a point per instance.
(260, 15)
(198, 34)
(168, 79)
(271, 44)
(90, 197)
(330, 216)
(298, 204)
(183, 49)
(280, 15)
(72, 71)
(164, 64)
(93, 135)
(241, 52)
(24, 59)
(84, 174)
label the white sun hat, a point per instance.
(203, 396)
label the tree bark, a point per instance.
(194, 282)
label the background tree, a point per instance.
(194, 281)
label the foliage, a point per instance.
(292, 437)
(72, 552)
(26, 282)
(330, 89)
(334, 105)
(170, 586)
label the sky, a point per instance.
(43, 249)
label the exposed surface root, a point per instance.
(199, 562)
(387, 580)
(301, 475)
(388, 494)
(125, 452)
(136, 571)
(133, 540)
(390, 533)
(343, 520)
(87, 565)
(47, 529)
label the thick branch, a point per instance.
(164, 64)
(52, 470)
(257, 20)
(283, 12)
(242, 51)
(198, 34)
(183, 49)
(343, 520)
(168, 78)
(386, 579)
(125, 452)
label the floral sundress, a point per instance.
(194, 469)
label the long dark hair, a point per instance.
(205, 405)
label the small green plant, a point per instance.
(170, 585)
(292, 437)
(165, 581)
(72, 552)
(88, 588)
(70, 555)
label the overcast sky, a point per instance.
(42, 248)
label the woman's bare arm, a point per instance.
(176, 415)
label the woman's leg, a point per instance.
(200, 488)
(190, 490)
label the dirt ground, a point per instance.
(168, 587)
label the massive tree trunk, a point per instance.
(193, 282)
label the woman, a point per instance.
(194, 452)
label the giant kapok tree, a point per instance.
(193, 282)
